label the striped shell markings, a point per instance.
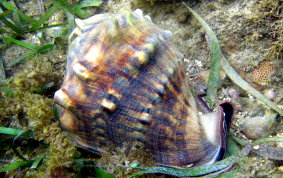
(125, 81)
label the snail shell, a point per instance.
(125, 81)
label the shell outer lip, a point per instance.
(227, 111)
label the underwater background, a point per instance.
(34, 44)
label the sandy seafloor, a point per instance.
(245, 39)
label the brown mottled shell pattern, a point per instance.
(125, 81)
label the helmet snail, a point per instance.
(125, 81)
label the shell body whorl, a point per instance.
(125, 81)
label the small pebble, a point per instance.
(257, 127)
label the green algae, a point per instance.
(33, 75)
(60, 160)
(28, 110)
(268, 24)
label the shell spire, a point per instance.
(125, 81)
